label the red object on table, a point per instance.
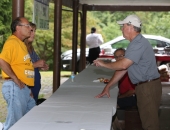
(106, 56)
(102, 52)
(162, 57)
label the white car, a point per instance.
(157, 42)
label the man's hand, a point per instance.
(104, 92)
(46, 67)
(6, 67)
(31, 94)
(39, 63)
(98, 63)
(19, 83)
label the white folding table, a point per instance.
(74, 106)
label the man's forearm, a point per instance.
(118, 65)
(7, 69)
(116, 77)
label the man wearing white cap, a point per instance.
(140, 63)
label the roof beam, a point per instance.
(127, 8)
(67, 3)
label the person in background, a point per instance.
(126, 97)
(18, 72)
(140, 63)
(93, 41)
(37, 63)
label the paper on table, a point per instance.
(96, 81)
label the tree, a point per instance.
(156, 23)
(5, 20)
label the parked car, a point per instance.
(158, 43)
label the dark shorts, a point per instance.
(127, 102)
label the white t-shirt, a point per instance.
(94, 40)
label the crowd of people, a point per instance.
(135, 71)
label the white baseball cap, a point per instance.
(131, 19)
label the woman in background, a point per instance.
(37, 63)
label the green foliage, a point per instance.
(29, 9)
(107, 22)
(43, 44)
(40, 96)
(66, 38)
(5, 20)
(94, 21)
(156, 23)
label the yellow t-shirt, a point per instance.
(15, 53)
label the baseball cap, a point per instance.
(131, 19)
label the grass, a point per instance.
(40, 96)
(65, 73)
(50, 73)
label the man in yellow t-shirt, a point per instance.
(18, 72)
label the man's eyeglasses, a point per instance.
(26, 25)
(122, 26)
(121, 56)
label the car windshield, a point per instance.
(120, 44)
(124, 43)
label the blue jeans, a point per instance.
(19, 102)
